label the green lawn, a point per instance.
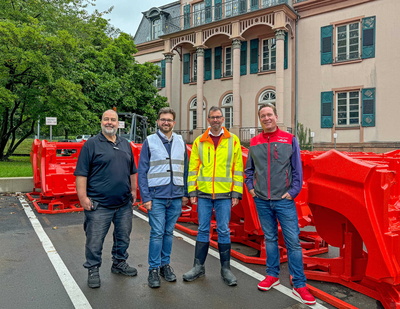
(16, 167)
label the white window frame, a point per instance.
(199, 16)
(268, 54)
(228, 68)
(227, 109)
(231, 8)
(157, 82)
(193, 73)
(348, 47)
(193, 114)
(156, 28)
(348, 108)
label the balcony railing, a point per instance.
(218, 12)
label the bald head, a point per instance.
(109, 122)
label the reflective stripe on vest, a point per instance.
(159, 173)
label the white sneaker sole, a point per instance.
(302, 300)
(262, 288)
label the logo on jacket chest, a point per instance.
(282, 140)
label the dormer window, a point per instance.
(155, 16)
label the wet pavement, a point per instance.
(41, 257)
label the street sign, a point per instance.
(51, 121)
(121, 124)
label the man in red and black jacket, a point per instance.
(274, 178)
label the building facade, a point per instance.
(329, 65)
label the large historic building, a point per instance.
(329, 65)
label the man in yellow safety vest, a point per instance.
(215, 182)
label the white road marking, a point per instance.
(242, 268)
(73, 290)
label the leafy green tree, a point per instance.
(56, 60)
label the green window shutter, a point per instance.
(186, 16)
(163, 73)
(368, 37)
(217, 62)
(243, 58)
(242, 6)
(207, 64)
(326, 44)
(254, 56)
(286, 51)
(186, 68)
(327, 109)
(217, 9)
(254, 5)
(368, 107)
(208, 11)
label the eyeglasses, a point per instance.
(216, 117)
(166, 120)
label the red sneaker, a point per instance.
(268, 283)
(304, 295)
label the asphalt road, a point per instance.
(41, 259)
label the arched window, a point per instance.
(193, 114)
(267, 96)
(227, 108)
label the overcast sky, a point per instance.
(127, 14)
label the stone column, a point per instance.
(236, 43)
(280, 55)
(168, 76)
(200, 90)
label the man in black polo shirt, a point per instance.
(106, 187)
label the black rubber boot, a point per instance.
(225, 256)
(200, 255)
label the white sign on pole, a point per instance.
(121, 124)
(51, 121)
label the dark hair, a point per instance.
(267, 105)
(166, 110)
(214, 109)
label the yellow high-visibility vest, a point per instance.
(217, 172)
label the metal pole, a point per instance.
(51, 133)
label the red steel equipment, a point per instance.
(354, 199)
(53, 165)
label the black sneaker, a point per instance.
(93, 280)
(167, 273)
(154, 278)
(124, 269)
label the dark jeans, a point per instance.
(96, 226)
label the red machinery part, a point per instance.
(53, 165)
(355, 207)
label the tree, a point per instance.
(56, 60)
(304, 137)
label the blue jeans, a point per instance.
(284, 211)
(162, 218)
(222, 208)
(96, 226)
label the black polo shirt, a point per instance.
(108, 168)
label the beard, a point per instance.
(109, 130)
(165, 130)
